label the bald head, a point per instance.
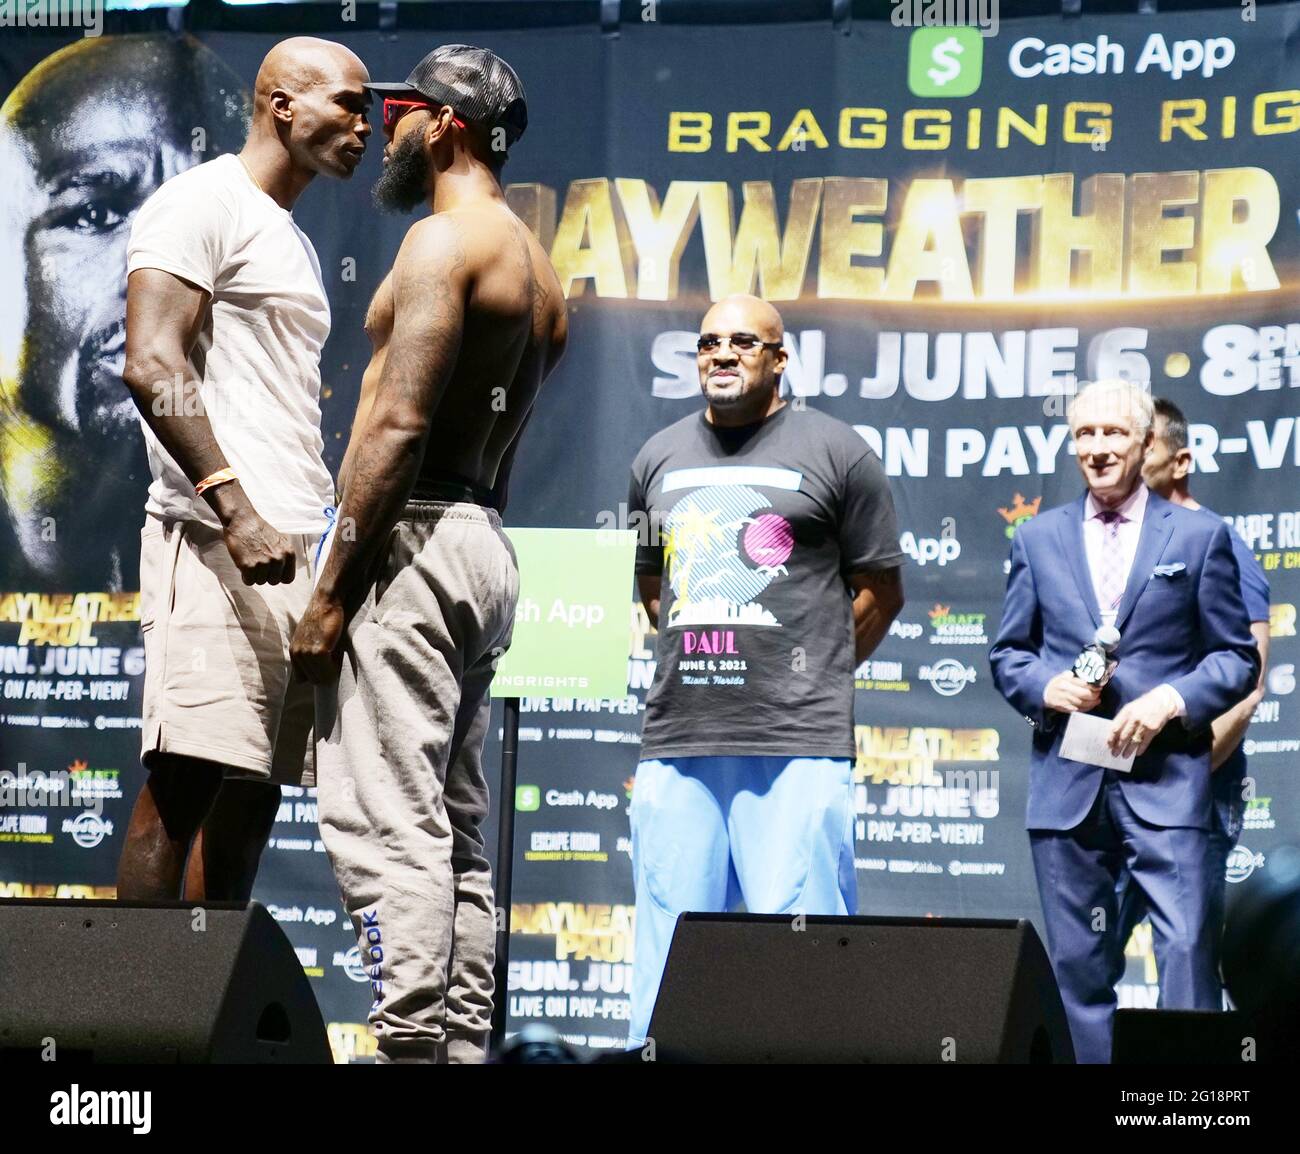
(310, 101)
(742, 313)
(302, 63)
(741, 376)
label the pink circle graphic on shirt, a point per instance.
(768, 540)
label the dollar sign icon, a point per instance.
(945, 65)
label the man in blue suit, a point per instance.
(1166, 579)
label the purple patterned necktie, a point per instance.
(1112, 560)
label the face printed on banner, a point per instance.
(741, 372)
(1162, 467)
(1109, 447)
(93, 130)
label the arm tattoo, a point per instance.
(429, 293)
(426, 350)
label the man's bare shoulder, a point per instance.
(432, 252)
(470, 237)
(435, 238)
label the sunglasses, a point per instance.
(394, 110)
(739, 342)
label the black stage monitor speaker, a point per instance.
(119, 982)
(776, 988)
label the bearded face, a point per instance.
(404, 183)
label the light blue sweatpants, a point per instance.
(776, 832)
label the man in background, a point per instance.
(772, 570)
(1166, 470)
(85, 139)
(226, 318)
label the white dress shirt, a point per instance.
(1133, 508)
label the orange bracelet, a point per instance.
(220, 477)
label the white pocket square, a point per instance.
(1170, 570)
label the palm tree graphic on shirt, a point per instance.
(719, 556)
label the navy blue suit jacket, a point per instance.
(1186, 625)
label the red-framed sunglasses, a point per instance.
(394, 110)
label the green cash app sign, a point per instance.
(572, 625)
(945, 61)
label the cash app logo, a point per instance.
(527, 798)
(945, 61)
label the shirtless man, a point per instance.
(416, 601)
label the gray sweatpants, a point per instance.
(400, 777)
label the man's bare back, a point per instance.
(514, 330)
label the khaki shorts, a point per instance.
(218, 684)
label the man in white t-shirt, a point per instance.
(226, 317)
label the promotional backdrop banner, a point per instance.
(957, 230)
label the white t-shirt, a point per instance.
(258, 356)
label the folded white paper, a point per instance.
(1085, 741)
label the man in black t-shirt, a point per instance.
(771, 569)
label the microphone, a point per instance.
(1095, 664)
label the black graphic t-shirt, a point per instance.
(755, 531)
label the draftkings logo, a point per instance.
(1259, 814)
(1016, 515)
(1019, 512)
(949, 628)
(92, 782)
